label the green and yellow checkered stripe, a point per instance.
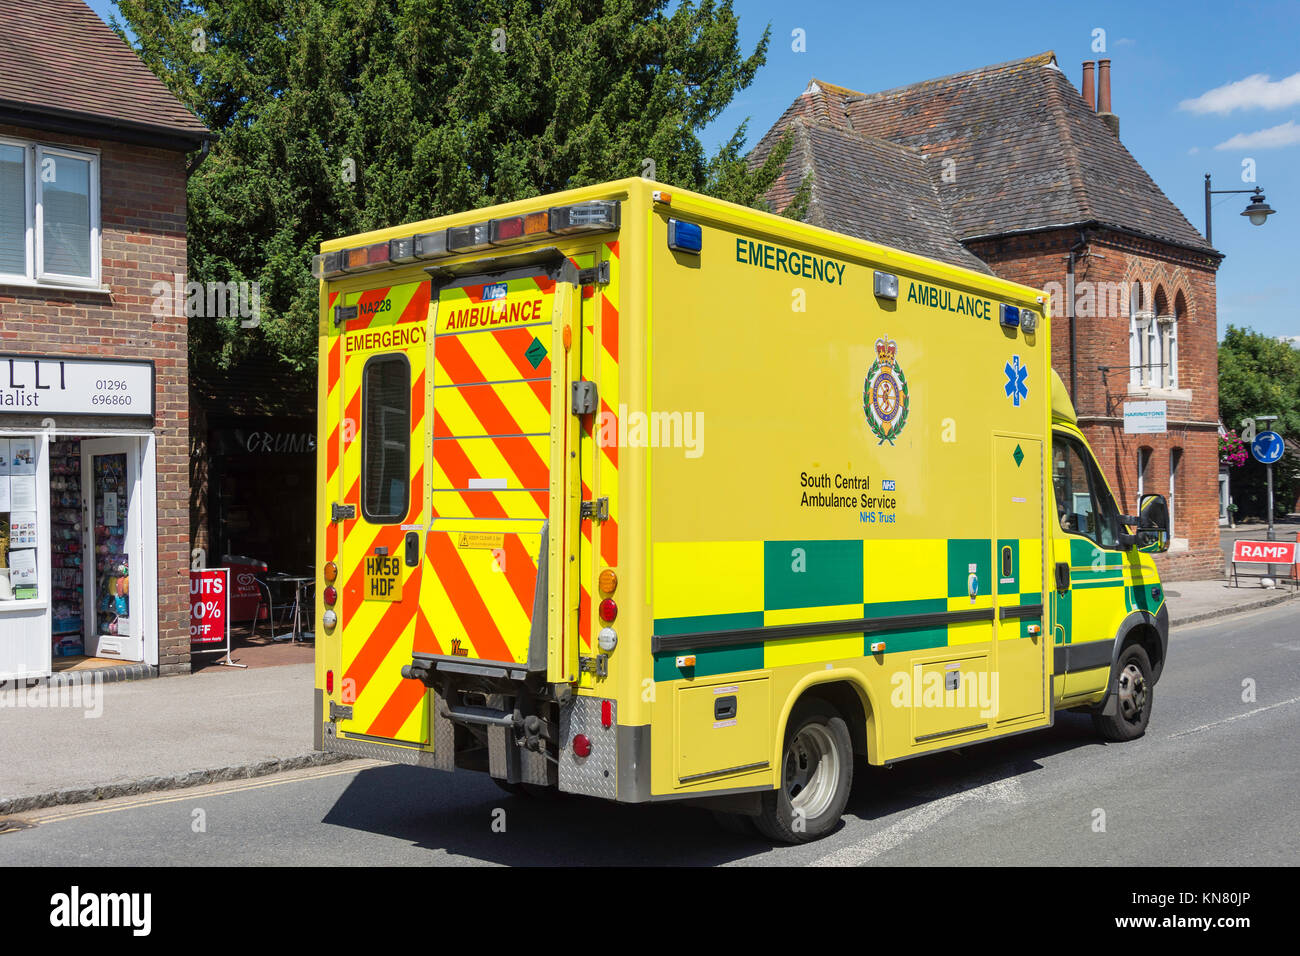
(703, 587)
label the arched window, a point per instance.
(1171, 348)
(1175, 486)
(1139, 320)
(1158, 341)
(1144, 465)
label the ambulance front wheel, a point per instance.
(816, 775)
(1127, 716)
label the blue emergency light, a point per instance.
(1010, 316)
(685, 236)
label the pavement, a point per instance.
(97, 742)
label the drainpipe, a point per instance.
(1070, 306)
(192, 166)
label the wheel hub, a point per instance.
(812, 770)
(1132, 692)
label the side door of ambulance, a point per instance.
(1021, 662)
(1089, 595)
(382, 409)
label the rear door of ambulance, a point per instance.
(376, 471)
(497, 585)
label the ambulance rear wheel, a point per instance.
(1133, 693)
(816, 775)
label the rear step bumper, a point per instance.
(423, 667)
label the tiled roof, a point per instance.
(1009, 147)
(872, 189)
(60, 58)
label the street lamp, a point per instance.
(1258, 211)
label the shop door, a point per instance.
(110, 469)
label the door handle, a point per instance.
(724, 708)
(1062, 576)
(412, 548)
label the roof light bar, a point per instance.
(469, 238)
(519, 228)
(598, 215)
(401, 250)
(430, 245)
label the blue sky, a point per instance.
(1166, 57)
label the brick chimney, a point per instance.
(1103, 97)
(1087, 86)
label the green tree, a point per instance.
(338, 116)
(1260, 375)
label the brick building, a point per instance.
(94, 476)
(1010, 169)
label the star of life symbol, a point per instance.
(1015, 389)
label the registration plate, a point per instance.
(383, 578)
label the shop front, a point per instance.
(78, 514)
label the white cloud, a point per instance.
(1193, 151)
(1254, 92)
(1286, 134)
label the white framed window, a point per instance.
(49, 214)
(1166, 345)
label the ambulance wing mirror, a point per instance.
(1153, 524)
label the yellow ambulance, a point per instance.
(629, 492)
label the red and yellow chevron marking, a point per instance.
(378, 636)
(490, 483)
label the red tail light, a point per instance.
(608, 610)
(606, 713)
(329, 682)
(331, 595)
(581, 745)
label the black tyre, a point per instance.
(1133, 689)
(816, 775)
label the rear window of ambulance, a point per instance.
(386, 439)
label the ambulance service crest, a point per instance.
(884, 394)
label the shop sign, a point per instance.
(41, 385)
(1145, 418)
(209, 605)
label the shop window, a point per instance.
(21, 540)
(49, 214)
(386, 439)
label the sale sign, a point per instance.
(1264, 552)
(209, 605)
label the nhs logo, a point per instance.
(887, 484)
(495, 291)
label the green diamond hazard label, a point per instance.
(536, 352)
(1018, 455)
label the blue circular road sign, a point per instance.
(1267, 447)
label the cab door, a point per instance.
(381, 487)
(1090, 598)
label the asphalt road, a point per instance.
(1215, 781)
